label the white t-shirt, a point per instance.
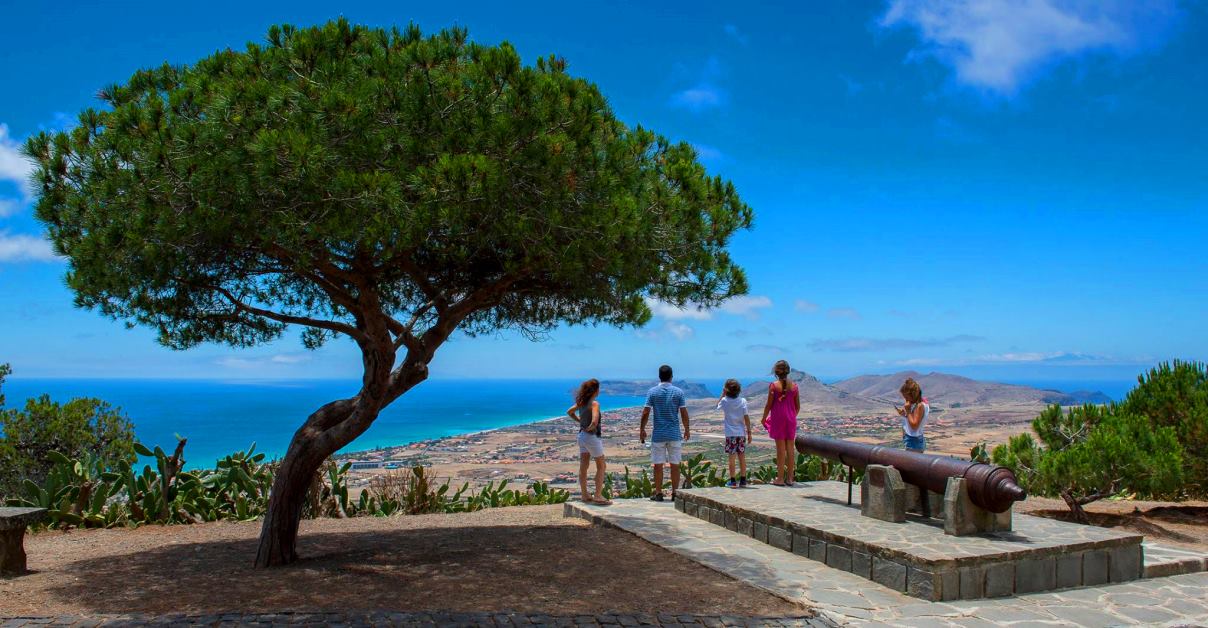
(734, 409)
(922, 422)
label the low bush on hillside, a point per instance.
(698, 472)
(88, 492)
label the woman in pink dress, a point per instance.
(780, 420)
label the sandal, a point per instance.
(588, 499)
(601, 501)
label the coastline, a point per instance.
(484, 432)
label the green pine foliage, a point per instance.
(1175, 395)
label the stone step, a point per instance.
(916, 557)
(1165, 560)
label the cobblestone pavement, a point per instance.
(425, 620)
(848, 599)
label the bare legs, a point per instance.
(584, 463)
(658, 477)
(600, 471)
(784, 461)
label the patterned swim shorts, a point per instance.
(736, 444)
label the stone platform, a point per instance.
(915, 557)
(849, 600)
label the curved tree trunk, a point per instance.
(326, 430)
(279, 533)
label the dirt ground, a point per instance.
(521, 558)
(1182, 524)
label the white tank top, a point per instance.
(906, 421)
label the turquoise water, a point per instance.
(221, 417)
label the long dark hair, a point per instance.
(781, 370)
(587, 390)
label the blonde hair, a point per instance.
(911, 391)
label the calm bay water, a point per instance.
(221, 417)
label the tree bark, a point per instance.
(1076, 504)
(307, 452)
(326, 430)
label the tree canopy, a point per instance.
(293, 181)
(382, 186)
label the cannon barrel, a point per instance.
(991, 487)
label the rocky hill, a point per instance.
(639, 388)
(950, 390)
(816, 393)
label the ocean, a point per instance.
(219, 418)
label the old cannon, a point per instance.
(988, 489)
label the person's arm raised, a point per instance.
(916, 416)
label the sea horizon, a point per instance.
(222, 416)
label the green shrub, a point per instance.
(87, 492)
(1176, 396)
(1092, 452)
(76, 429)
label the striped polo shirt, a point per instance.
(665, 401)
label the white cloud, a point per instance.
(699, 97)
(844, 312)
(290, 358)
(260, 362)
(14, 166)
(25, 248)
(679, 330)
(676, 329)
(809, 307)
(888, 344)
(744, 305)
(671, 312)
(999, 45)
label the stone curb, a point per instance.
(417, 619)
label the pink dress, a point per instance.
(782, 419)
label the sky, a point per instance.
(1009, 190)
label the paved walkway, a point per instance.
(418, 620)
(848, 599)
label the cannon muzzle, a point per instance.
(991, 487)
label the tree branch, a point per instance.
(289, 319)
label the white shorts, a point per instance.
(666, 452)
(591, 444)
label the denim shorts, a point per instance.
(917, 443)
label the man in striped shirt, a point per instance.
(666, 402)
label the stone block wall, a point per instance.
(952, 580)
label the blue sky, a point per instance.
(1009, 190)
